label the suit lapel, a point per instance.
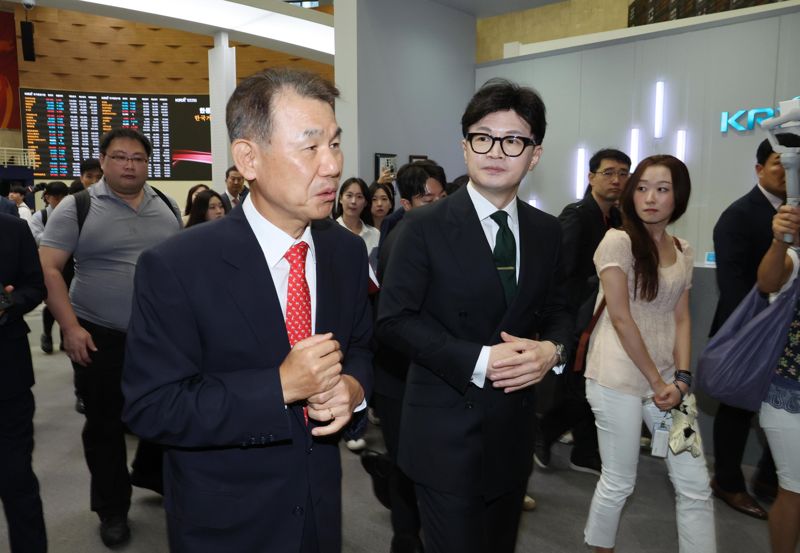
(471, 251)
(760, 200)
(326, 293)
(249, 283)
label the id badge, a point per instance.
(659, 445)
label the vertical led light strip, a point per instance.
(633, 151)
(658, 123)
(580, 164)
(680, 145)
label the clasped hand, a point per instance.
(517, 363)
(666, 396)
(312, 372)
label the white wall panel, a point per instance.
(594, 95)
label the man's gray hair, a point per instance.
(249, 111)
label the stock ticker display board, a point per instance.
(63, 127)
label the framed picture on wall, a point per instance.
(385, 161)
(416, 157)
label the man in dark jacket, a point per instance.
(583, 224)
(22, 288)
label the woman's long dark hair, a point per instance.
(366, 213)
(644, 249)
(188, 209)
(200, 207)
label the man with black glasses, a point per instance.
(105, 230)
(470, 281)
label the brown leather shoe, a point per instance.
(740, 501)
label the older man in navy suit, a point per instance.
(22, 283)
(249, 339)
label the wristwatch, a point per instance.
(559, 353)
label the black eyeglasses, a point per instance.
(609, 173)
(512, 146)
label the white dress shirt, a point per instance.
(773, 199)
(25, 212)
(485, 209)
(37, 225)
(275, 243)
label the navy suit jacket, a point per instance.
(441, 301)
(742, 237)
(226, 201)
(9, 207)
(205, 342)
(19, 267)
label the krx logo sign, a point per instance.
(738, 122)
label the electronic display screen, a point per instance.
(62, 127)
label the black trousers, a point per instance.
(19, 488)
(405, 512)
(99, 384)
(464, 524)
(731, 429)
(571, 411)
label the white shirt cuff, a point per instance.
(361, 406)
(479, 372)
(558, 369)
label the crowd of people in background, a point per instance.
(474, 300)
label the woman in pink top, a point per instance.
(639, 354)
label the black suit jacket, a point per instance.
(583, 226)
(206, 339)
(226, 201)
(19, 267)
(742, 236)
(391, 366)
(441, 301)
(388, 224)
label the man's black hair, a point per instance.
(503, 95)
(608, 153)
(784, 139)
(411, 179)
(434, 170)
(125, 132)
(90, 164)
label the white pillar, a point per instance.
(221, 84)
(346, 76)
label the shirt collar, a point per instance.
(273, 240)
(485, 208)
(773, 199)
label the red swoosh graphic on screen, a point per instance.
(191, 155)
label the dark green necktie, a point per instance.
(505, 255)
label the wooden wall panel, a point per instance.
(79, 51)
(549, 22)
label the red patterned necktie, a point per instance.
(298, 299)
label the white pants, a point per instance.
(619, 420)
(782, 429)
